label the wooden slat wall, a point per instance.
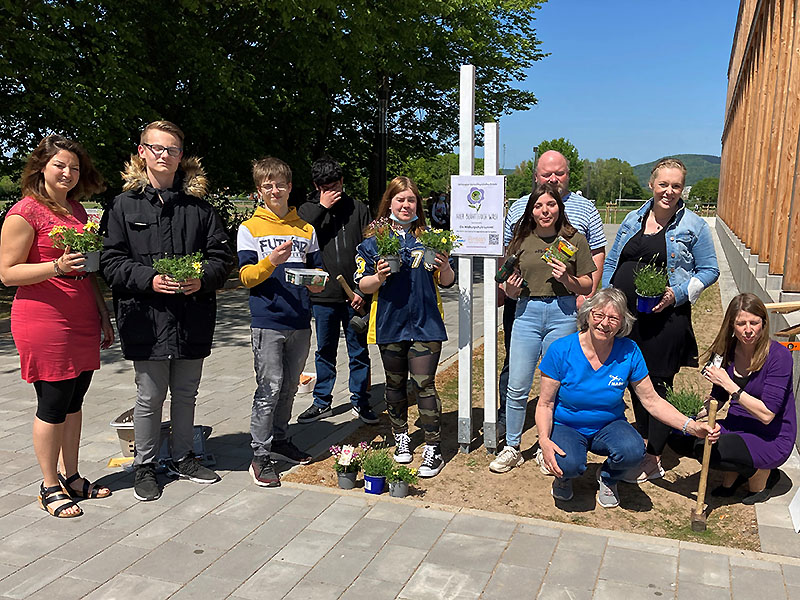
(759, 190)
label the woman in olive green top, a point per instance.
(546, 288)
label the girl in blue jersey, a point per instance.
(406, 321)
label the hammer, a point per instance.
(358, 323)
(699, 512)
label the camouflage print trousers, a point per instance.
(419, 361)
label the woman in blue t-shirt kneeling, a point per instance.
(584, 376)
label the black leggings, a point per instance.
(57, 399)
(730, 453)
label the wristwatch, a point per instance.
(735, 395)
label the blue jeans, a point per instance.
(537, 324)
(618, 440)
(330, 319)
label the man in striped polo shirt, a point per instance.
(552, 167)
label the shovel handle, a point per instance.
(701, 489)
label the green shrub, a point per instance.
(377, 462)
(650, 280)
(689, 402)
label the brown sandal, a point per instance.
(90, 490)
(49, 495)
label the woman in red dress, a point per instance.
(58, 313)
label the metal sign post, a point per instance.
(490, 167)
(466, 161)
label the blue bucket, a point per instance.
(373, 484)
(646, 304)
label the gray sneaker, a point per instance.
(562, 489)
(607, 495)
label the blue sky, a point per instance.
(635, 79)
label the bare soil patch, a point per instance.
(661, 508)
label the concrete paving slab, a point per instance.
(394, 563)
(439, 582)
(513, 581)
(65, 588)
(419, 532)
(340, 566)
(756, 583)
(364, 588)
(275, 577)
(176, 562)
(529, 551)
(204, 586)
(314, 590)
(703, 568)
(34, 577)
(482, 526)
(693, 591)
(133, 586)
(466, 551)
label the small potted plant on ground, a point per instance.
(347, 463)
(650, 282)
(377, 464)
(437, 240)
(687, 401)
(387, 237)
(181, 268)
(400, 478)
(89, 243)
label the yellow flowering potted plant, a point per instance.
(400, 478)
(440, 241)
(181, 268)
(88, 242)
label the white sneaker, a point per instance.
(508, 458)
(540, 461)
(432, 462)
(402, 448)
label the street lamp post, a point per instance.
(620, 186)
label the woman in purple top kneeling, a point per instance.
(759, 432)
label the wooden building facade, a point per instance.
(759, 196)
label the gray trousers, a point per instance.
(153, 379)
(278, 357)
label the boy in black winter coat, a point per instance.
(165, 326)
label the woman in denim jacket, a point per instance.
(666, 233)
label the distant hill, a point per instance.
(698, 166)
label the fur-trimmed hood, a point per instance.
(195, 182)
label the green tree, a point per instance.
(565, 147)
(520, 182)
(256, 77)
(706, 190)
(433, 174)
(605, 178)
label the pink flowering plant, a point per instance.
(355, 462)
(387, 236)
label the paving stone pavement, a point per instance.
(235, 540)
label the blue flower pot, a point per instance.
(373, 484)
(646, 304)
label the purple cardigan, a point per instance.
(769, 445)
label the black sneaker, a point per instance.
(314, 413)
(263, 472)
(365, 414)
(286, 450)
(191, 469)
(432, 461)
(145, 484)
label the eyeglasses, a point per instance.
(268, 187)
(158, 149)
(599, 317)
